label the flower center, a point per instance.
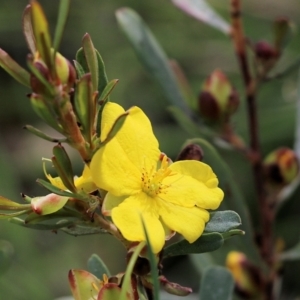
(152, 180)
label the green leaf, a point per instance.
(14, 69)
(200, 10)
(216, 283)
(79, 69)
(150, 54)
(5, 216)
(91, 59)
(63, 11)
(206, 243)
(55, 189)
(63, 167)
(27, 29)
(44, 136)
(6, 255)
(97, 267)
(6, 204)
(222, 221)
(84, 285)
(83, 229)
(102, 77)
(85, 105)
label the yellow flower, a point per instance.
(141, 182)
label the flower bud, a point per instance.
(191, 152)
(248, 280)
(264, 51)
(48, 204)
(218, 100)
(64, 70)
(281, 166)
(37, 86)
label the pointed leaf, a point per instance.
(83, 229)
(42, 135)
(222, 221)
(97, 267)
(206, 243)
(84, 285)
(151, 54)
(85, 105)
(63, 167)
(91, 59)
(14, 69)
(200, 10)
(216, 283)
(28, 30)
(79, 69)
(41, 33)
(102, 77)
(4, 216)
(108, 89)
(55, 189)
(6, 204)
(63, 11)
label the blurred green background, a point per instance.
(41, 260)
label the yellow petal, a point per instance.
(194, 184)
(111, 112)
(189, 222)
(85, 182)
(127, 217)
(117, 166)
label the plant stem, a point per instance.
(266, 214)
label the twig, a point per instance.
(266, 215)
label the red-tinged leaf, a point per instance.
(14, 69)
(28, 30)
(48, 204)
(84, 285)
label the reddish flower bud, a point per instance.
(264, 51)
(191, 152)
(281, 166)
(218, 100)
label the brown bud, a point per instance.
(218, 99)
(281, 166)
(191, 152)
(264, 51)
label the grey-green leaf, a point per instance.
(97, 267)
(222, 221)
(216, 283)
(150, 54)
(200, 10)
(206, 243)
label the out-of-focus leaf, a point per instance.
(6, 216)
(44, 136)
(6, 255)
(84, 285)
(151, 54)
(6, 204)
(290, 255)
(200, 10)
(81, 229)
(206, 243)
(97, 267)
(222, 221)
(63, 11)
(14, 69)
(216, 283)
(233, 196)
(27, 29)
(297, 133)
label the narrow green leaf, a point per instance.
(216, 283)
(63, 11)
(97, 267)
(14, 69)
(4, 216)
(206, 243)
(27, 29)
(85, 106)
(6, 204)
(63, 167)
(44, 136)
(81, 60)
(91, 59)
(82, 229)
(45, 112)
(102, 77)
(150, 54)
(222, 221)
(55, 189)
(79, 69)
(200, 10)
